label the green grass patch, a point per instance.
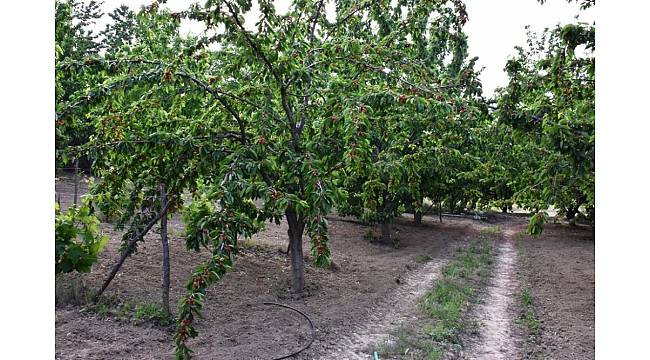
(145, 312)
(528, 317)
(247, 244)
(452, 292)
(490, 231)
(526, 298)
(137, 312)
(434, 353)
(446, 303)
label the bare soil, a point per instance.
(370, 293)
(235, 324)
(396, 309)
(558, 269)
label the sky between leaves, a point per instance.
(495, 27)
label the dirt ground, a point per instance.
(558, 269)
(235, 324)
(343, 302)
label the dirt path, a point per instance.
(397, 309)
(497, 339)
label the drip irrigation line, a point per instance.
(311, 325)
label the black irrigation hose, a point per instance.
(311, 325)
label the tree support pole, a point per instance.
(165, 250)
(76, 180)
(129, 248)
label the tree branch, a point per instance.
(306, 98)
(258, 52)
(254, 47)
(223, 102)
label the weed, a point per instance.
(531, 322)
(454, 271)
(445, 303)
(434, 353)
(151, 312)
(448, 299)
(247, 244)
(442, 333)
(125, 310)
(420, 259)
(102, 310)
(131, 310)
(528, 317)
(526, 298)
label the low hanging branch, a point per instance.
(129, 248)
(192, 303)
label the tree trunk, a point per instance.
(417, 214)
(296, 227)
(417, 217)
(504, 209)
(165, 251)
(386, 228)
(440, 210)
(571, 214)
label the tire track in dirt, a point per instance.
(497, 339)
(399, 307)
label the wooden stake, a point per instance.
(129, 249)
(165, 250)
(76, 180)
